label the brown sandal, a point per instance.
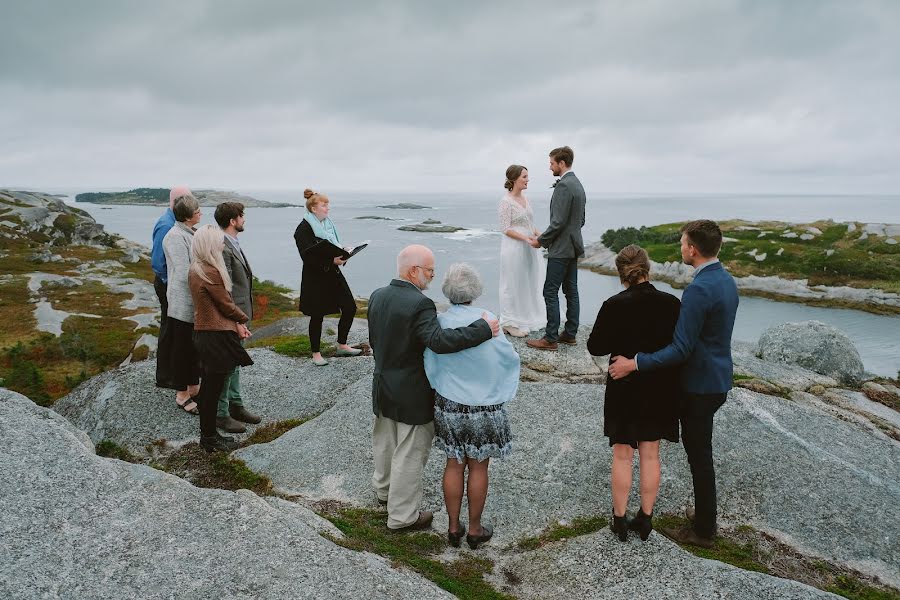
(188, 406)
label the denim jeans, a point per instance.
(561, 271)
(697, 411)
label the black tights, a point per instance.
(348, 311)
(208, 401)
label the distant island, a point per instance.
(403, 206)
(160, 197)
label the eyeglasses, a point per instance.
(429, 269)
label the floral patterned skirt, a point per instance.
(477, 432)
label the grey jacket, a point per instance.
(241, 277)
(177, 246)
(402, 323)
(563, 235)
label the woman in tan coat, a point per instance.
(218, 329)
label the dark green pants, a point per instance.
(231, 392)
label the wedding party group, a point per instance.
(443, 380)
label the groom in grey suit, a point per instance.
(563, 238)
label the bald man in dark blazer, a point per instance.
(402, 323)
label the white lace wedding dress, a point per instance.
(522, 270)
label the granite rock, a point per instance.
(125, 406)
(787, 468)
(75, 525)
(599, 566)
(814, 346)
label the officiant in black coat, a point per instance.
(323, 289)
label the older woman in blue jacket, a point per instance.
(470, 421)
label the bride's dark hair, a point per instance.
(512, 173)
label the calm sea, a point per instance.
(268, 242)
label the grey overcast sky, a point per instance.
(653, 95)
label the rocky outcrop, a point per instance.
(48, 219)
(125, 406)
(814, 346)
(780, 469)
(75, 525)
(787, 464)
(601, 259)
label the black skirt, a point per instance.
(182, 360)
(220, 351)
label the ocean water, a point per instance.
(269, 245)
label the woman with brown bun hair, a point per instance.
(323, 289)
(641, 409)
(522, 308)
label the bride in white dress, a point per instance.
(522, 268)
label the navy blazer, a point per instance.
(702, 339)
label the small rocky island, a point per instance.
(160, 197)
(404, 206)
(431, 226)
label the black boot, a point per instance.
(619, 526)
(643, 524)
(218, 444)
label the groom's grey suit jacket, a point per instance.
(563, 235)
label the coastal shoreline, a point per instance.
(600, 259)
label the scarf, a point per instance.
(323, 229)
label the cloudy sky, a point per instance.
(653, 95)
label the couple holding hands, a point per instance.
(529, 291)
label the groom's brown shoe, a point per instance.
(565, 338)
(542, 344)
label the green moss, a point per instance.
(739, 377)
(365, 531)
(725, 550)
(848, 587)
(110, 449)
(66, 224)
(273, 431)
(140, 353)
(215, 470)
(752, 550)
(557, 531)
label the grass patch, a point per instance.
(753, 550)
(214, 470)
(739, 377)
(291, 345)
(110, 449)
(273, 431)
(271, 302)
(557, 531)
(365, 531)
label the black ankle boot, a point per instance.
(619, 526)
(643, 524)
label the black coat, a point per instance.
(402, 323)
(644, 405)
(323, 289)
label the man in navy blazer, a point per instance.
(702, 345)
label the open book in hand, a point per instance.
(328, 251)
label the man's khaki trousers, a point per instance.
(401, 452)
